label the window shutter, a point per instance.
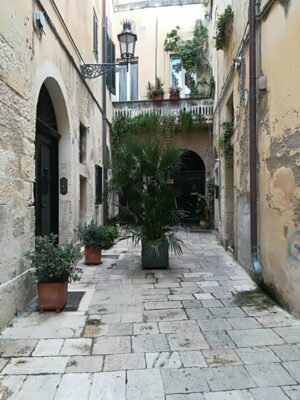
(98, 184)
(110, 58)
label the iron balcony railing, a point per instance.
(196, 107)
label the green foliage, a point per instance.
(122, 126)
(54, 263)
(97, 236)
(192, 51)
(172, 39)
(153, 125)
(186, 120)
(147, 123)
(155, 90)
(225, 145)
(168, 127)
(222, 26)
(141, 174)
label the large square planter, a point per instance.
(52, 296)
(151, 260)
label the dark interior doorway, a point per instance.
(46, 158)
(190, 181)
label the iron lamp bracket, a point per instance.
(91, 71)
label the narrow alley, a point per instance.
(201, 330)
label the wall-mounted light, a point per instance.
(40, 22)
(127, 41)
(238, 62)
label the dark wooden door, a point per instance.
(189, 185)
(46, 187)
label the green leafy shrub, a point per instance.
(54, 263)
(222, 26)
(97, 236)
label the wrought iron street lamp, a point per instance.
(127, 41)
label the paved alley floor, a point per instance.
(201, 330)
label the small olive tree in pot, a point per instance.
(95, 239)
(149, 213)
(53, 267)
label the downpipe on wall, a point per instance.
(253, 138)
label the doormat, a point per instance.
(73, 301)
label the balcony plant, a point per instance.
(155, 92)
(141, 173)
(53, 267)
(95, 239)
(174, 93)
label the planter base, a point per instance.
(150, 260)
(92, 256)
(52, 296)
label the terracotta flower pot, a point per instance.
(52, 296)
(158, 98)
(92, 256)
(174, 98)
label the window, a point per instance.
(110, 59)
(98, 184)
(177, 76)
(128, 82)
(95, 36)
(82, 143)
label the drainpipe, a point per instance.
(253, 138)
(104, 122)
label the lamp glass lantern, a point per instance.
(127, 41)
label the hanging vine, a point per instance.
(192, 52)
(223, 23)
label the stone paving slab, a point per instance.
(200, 330)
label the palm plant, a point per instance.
(141, 174)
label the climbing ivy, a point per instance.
(225, 145)
(222, 27)
(192, 52)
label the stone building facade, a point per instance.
(152, 21)
(53, 130)
(278, 142)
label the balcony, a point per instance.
(196, 107)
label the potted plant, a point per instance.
(53, 267)
(95, 239)
(201, 211)
(174, 92)
(155, 92)
(149, 213)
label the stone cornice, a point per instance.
(123, 5)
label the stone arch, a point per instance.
(48, 76)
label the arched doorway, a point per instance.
(190, 181)
(46, 158)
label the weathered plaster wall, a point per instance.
(278, 144)
(279, 149)
(28, 60)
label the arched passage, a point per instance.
(46, 158)
(190, 181)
